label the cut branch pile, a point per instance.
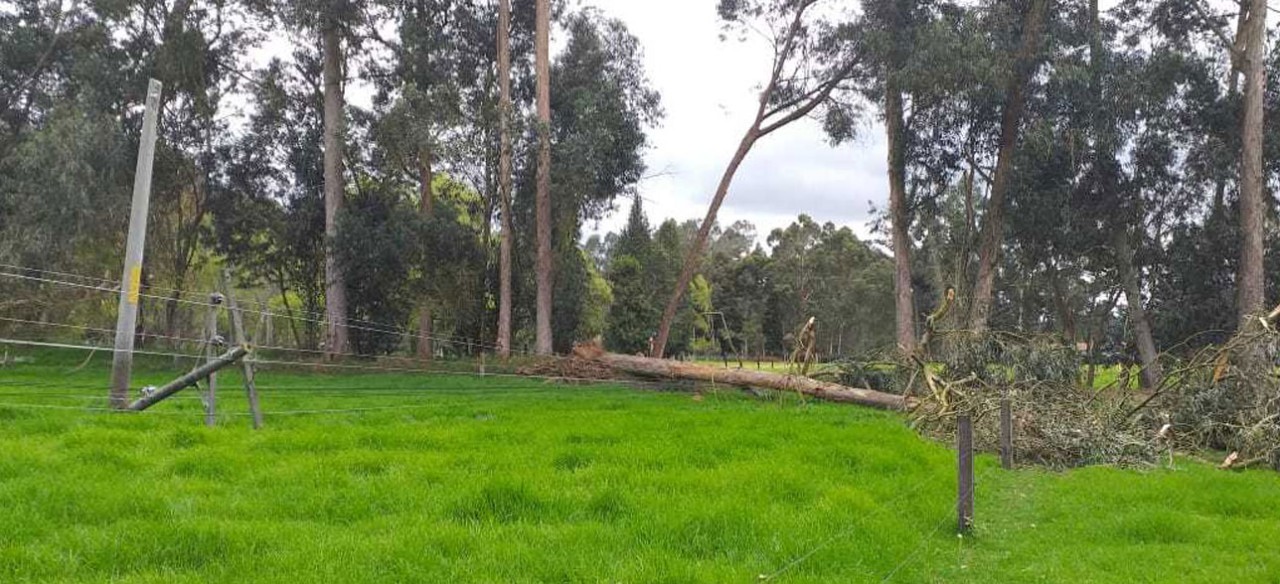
(1223, 398)
(1058, 422)
(1226, 398)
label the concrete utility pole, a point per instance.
(131, 281)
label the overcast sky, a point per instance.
(709, 92)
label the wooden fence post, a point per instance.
(1006, 434)
(237, 327)
(211, 328)
(964, 475)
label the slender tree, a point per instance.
(426, 336)
(504, 178)
(336, 334)
(1251, 286)
(992, 237)
(542, 204)
(807, 69)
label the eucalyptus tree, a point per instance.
(898, 24)
(602, 105)
(1024, 60)
(812, 58)
(439, 61)
(1189, 25)
(338, 26)
(505, 115)
(196, 48)
(926, 62)
(269, 213)
(542, 203)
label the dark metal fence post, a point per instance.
(964, 450)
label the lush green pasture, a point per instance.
(467, 479)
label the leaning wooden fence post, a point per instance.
(211, 328)
(964, 452)
(237, 328)
(1006, 433)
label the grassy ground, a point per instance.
(462, 479)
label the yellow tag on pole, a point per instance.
(135, 283)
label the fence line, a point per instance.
(337, 366)
(315, 318)
(200, 412)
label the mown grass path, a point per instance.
(462, 479)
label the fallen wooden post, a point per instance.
(189, 379)
(664, 368)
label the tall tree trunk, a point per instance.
(1011, 120)
(504, 178)
(904, 304)
(1251, 287)
(769, 118)
(426, 345)
(1141, 323)
(700, 242)
(335, 292)
(543, 344)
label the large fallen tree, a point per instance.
(667, 369)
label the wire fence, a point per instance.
(267, 356)
(199, 301)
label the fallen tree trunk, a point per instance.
(664, 368)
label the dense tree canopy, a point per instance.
(1100, 174)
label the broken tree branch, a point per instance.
(663, 368)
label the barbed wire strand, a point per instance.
(385, 329)
(337, 366)
(852, 528)
(924, 541)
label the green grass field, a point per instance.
(467, 479)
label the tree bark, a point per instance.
(543, 344)
(1151, 374)
(1011, 119)
(699, 244)
(1251, 288)
(426, 344)
(904, 303)
(777, 117)
(335, 282)
(667, 369)
(504, 178)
